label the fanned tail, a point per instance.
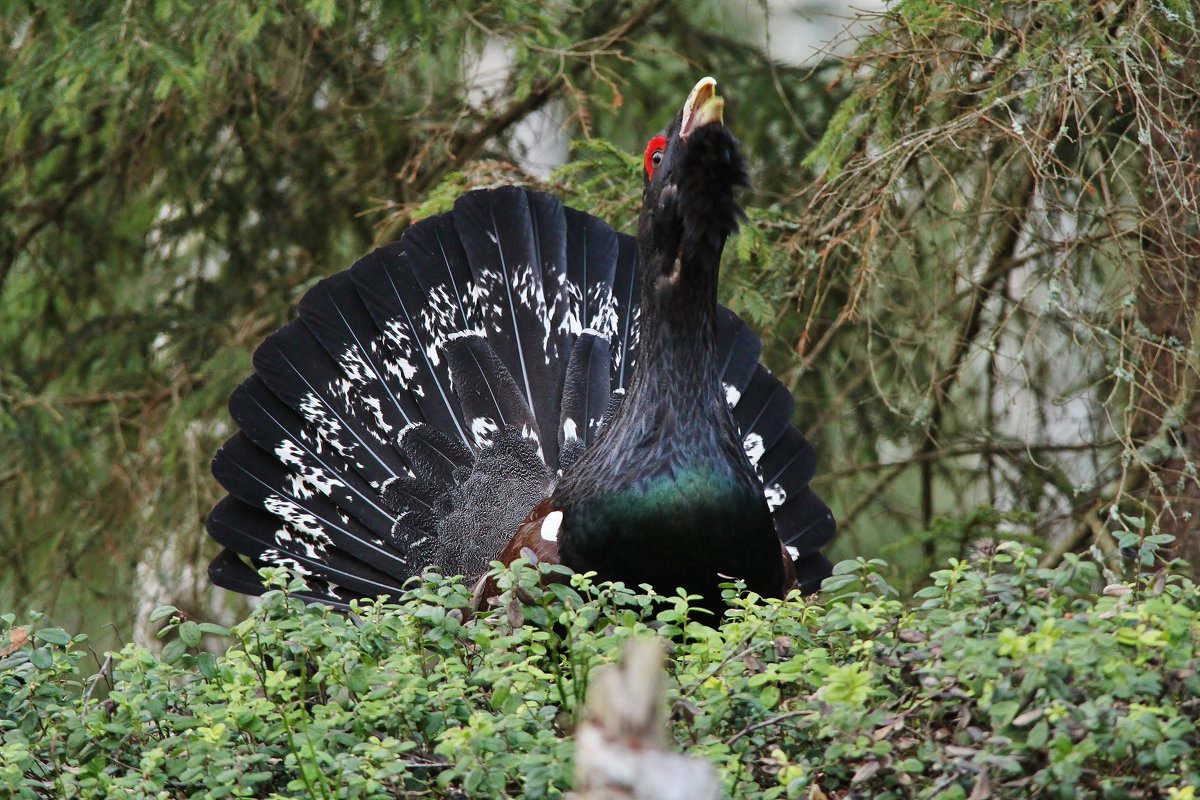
(425, 399)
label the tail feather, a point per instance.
(256, 533)
(313, 465)
(497, 233)
(549, 221)
(413, 319)
(811, 569)
(789, 464)
(490, 398)
(315, 525)
(593, 256)
(434, 257)
(228, 570)
(739, 351)
(335, 315)
(550, 224)
(804, 522)
(586, 392)
(435, 455)
(763, 413)
(626, 295)
(300, 372)
(785, 460)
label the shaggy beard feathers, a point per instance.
(711, 169)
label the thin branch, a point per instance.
(1005, 253)
(766, 723)
(463, 146)
(985, 449)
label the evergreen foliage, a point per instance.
(1000, 679)
(971, 249)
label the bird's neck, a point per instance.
(677, 371)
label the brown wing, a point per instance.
(536, 538)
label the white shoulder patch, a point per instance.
(550, 525)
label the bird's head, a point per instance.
(691, 171)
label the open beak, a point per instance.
(702, 107)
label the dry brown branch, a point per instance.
(1040, 165)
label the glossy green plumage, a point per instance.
(677, 528)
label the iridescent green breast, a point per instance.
(684, 528)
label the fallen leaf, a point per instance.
(516, 617)
(983, 787)
(17, 637)
(865, 772)
(1028, 718)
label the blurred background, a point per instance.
(972, 247)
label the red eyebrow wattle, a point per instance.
(656, 144)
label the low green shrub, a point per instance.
(1000, 679)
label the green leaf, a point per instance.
(1039, 734)
(850, 565)
(53, 636)
(206, 665)
(189, 633)
(173, 651)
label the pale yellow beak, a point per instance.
(702, 107)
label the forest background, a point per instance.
(971, 249)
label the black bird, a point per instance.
(514, 374)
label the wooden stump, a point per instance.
(621, 748)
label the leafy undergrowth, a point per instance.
(1001, 679)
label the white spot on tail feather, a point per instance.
(313, 409)
(732, 395)
(279, 559)
(357, 370)
(308, 476)
(569, 431)
(482, 429)
(309, 533)
(792, 551)
(752, 443)
(445, 316)
(395, 351)
(357, 400)
(776, 495)
(567, 306)
(604, 320)
(521, 288)
(531, 434)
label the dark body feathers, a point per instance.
(429, 398)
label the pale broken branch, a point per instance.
(621, 747)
